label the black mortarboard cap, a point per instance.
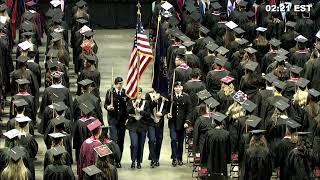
(249, 105)
(86, 107)
(103, 150)
(57, 135)
(82, 21)
(60, 106)
(28, 15)
(216, 5)
(291, 24)
(314, 92)
(57, 121)
(275, 42)
(220, 60)
(58, 151)
(222, 50)
(242, 3)
(253, 121)
(218, 116)
(295, 69)
(302, 82)
(239, 97)
(50, 13)
(204, 30)
(242, 41)
(251, 65)
(191, 8)
(91, 170)
(211, 102)
(239, 30)
(270, 77)
(292, 123)
(20, 102)
(52, 63)
(279, 84)
(203, 95)
(301, 39)
(282, 52)
(303, 133)
(258, 132)
(57, 18)
(250, 50)
(173, 21)
(195, 15)
(280, 58)
(85, 82)
(212, 46)
(81, 3)
(27, 33)
(22, 81)
(188, 43)
(281, 105)
(15, 153)
(22, 59)
(90, 57)
(208, 40)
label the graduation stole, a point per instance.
(183, 66)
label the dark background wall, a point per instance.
(112, 13)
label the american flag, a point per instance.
(141, 57)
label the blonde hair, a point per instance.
(228, 90)
(82, 13)
(276, 115)
(15, 171)
(261, 40)
(23, 130)
(258, 141)
(50, 154)
(236, 111)
(300, 98)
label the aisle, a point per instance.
(114, 48)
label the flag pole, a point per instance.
(155, 45)
(138, 65)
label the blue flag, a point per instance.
(160, 73)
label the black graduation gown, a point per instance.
(171, 56)
(202, 125)
(275, 132)
(94, 101)
(267, 60)
(261, 103)
(207, 64)
(240, 18)
(30, 109)
(287, 39)
(93, 75)
(116, 153)
(312, 73)
(50, 95)
(36, 69)
(30, 144)
(67, 142)
(47, 116)
(250, 28)
(244, 145)
(267, 108)
(290, 88)
(262, 50)
(181, 111)
(67, 159)
(299, 58)
(81, 133)
(57, 172)
(236, 128)
(257, 165)
(251, 88)
(25, 74)
(225, 101)
(138, 125)
(280, 154)
(198, 46)
(305, 27)
(299, 164)
(216, 151)
(183, 73)
(192, 87)
(6, 63)
(214, 79)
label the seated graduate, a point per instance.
(58, 142)
(87, 155)
(16, 168)
(257, 158)
(108, 170)
(112, 145)
(58, 169)
(216, 151)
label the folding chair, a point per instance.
(234, 166)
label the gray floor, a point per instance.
(115, 49)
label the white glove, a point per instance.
(110, 108)
(169, 116)
(185, 125)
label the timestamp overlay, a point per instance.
(287, 6)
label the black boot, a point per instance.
(153, 165)
(180, 163)
(118, 165)
(138, 165)
(174, 162)
(133, 165)
(157, 164)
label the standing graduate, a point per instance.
(116, 105)
(58, 143)
(292, 81)
(299, 159)
(108, 170)
(91, 173)
(301, 54)
(182, 70)
(284, 146)
(88, 155)
(194, 85)
(224, 96)
(208, 59)
(257, 158)
(311, 71)
(80, 130)
(216, 151)
(269, 57)
(261, 43)
(158, 109)
(16, 168)
(58, 170)
(288, 37)
(216, 74)
(138, 110)
(191, 59)
(179, 119)
(113, 158)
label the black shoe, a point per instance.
(118, 165)
(157, 163)
(174, 163)
(153, 165)
(138, 165)
(133, 165)
(180, 163)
